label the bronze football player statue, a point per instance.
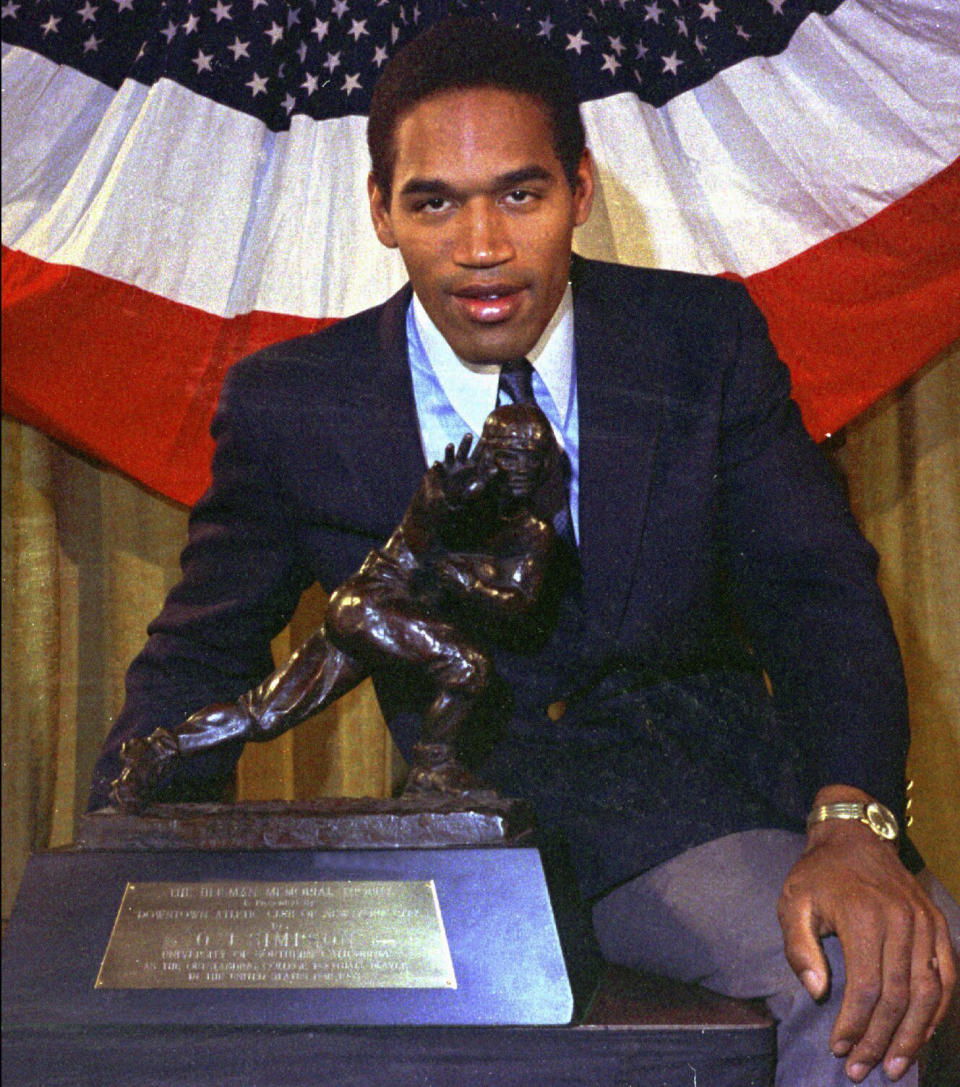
(470, 554)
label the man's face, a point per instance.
(483, 216)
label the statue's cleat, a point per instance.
(446, 778)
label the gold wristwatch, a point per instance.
(878, 818)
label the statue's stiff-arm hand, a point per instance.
(463, 478)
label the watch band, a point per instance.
(874, 815)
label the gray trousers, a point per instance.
(709, 916)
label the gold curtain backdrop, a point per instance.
(88, 557)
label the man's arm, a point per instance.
(211, 642)
(804, 582)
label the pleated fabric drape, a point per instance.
(902, 466)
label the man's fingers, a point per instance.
(946, 964)
(861, 995)
(908, 997)
(464, 451)
(803, 950)
(926, 994)
(909, 994)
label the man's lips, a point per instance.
(488, 303)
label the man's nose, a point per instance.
(483, 239)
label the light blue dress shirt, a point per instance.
(454, 397)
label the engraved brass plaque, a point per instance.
(347, 934)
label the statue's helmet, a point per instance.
(519, 440)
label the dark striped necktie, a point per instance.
(516, 381)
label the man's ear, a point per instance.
(583, 188)
(380, 213)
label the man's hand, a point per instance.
(900, 966)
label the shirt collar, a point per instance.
(471, 388)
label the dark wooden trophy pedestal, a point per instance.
(341, 942)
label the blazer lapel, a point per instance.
(385, 440)
(620, 423)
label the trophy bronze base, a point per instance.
(342, 942)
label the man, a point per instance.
(712, 541)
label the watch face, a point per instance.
(881, 821)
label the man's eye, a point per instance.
(434, 203)
(520, 196)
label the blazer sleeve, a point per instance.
(240, 585)
(804, 581)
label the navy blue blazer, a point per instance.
(716, 546)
